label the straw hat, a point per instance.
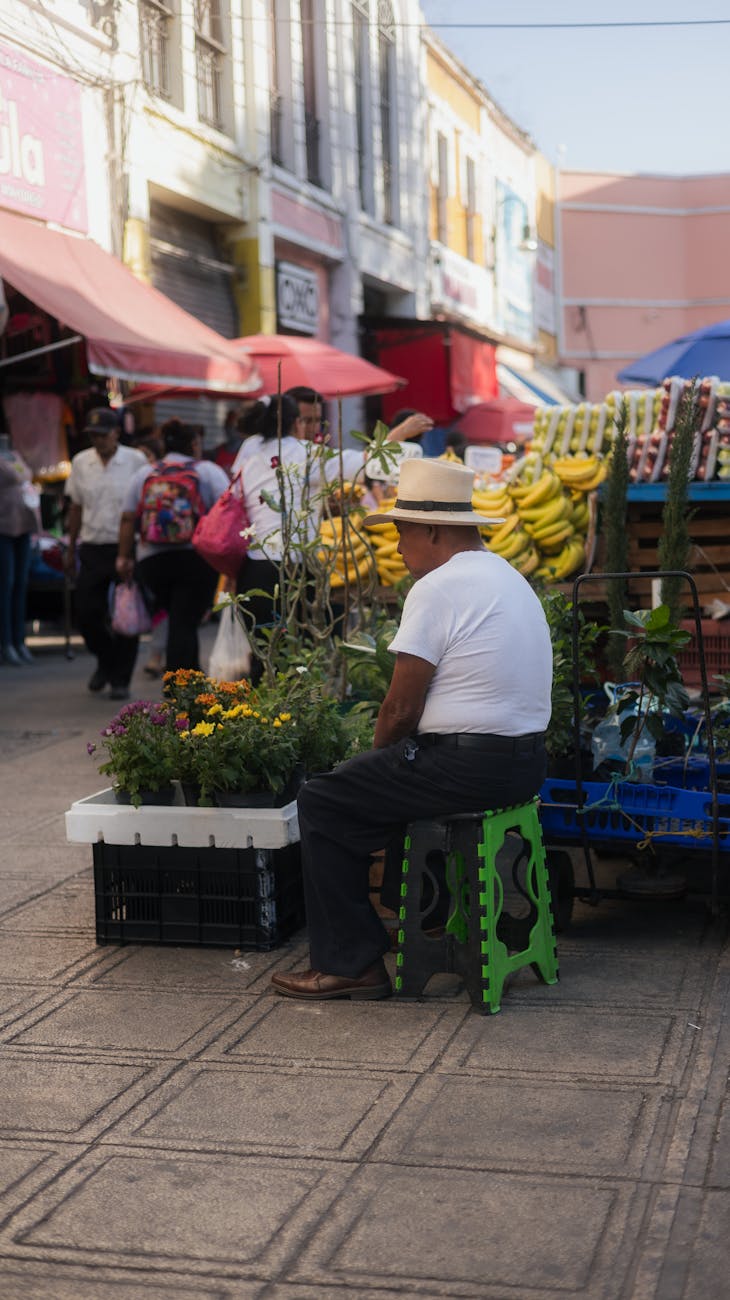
(433, 492)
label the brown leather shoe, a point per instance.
(315, 986)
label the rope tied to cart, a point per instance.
(609, 801)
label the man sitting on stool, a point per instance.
(460, 730)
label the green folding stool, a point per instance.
(481, 940)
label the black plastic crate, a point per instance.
(240, 898)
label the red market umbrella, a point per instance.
(502, 419)
(310, 363)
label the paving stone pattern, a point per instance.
(170, 1130)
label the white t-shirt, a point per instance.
(259, 476)
(481, 624)
(100, 490)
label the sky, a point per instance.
(625, 99)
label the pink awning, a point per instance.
(131, 330)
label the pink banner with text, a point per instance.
(41, 142)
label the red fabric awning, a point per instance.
(131, 330)
(447, 369)
(310, 363)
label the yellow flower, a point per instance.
(184, 735)
(214, 708)
(285, 717)
(204, 729)
(277, 722)
(256, 713)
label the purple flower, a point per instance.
(262, 501)
(158, 719)
(275, 462)
(90, 749)
(181, 724)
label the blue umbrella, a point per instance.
(703, 352)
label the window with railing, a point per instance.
(311, 115)
(155, 24)
(361, 56)
(276, 99)
(470, 205)
(442, 188)
(386, 95)
(210, 58)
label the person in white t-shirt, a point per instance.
(461, 727)
(97, 485)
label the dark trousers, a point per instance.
(183, 584)
(97, 572)
(14, 569)
(347, 815)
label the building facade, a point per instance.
(643, 261)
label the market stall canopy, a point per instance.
(703, 352)
(447, 368)
(130, 329)
(534, 386)
(502, 419)
(310, 363)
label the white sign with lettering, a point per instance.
(297, 298)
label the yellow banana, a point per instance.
(552, 537)
(500, 534)
(573, 469)
(546, 487)
(557, 507)
(514, 545)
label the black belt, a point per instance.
(529, 744)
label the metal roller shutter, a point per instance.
(187, 266)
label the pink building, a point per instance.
(643, 260)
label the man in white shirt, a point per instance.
(461, 728)
(97, 486)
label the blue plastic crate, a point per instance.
(630, 812)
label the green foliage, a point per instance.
(141, 743)
(560, 735)
(303, 614)
(675, 544)
(614, 528)
(650, 660)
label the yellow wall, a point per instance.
(545, 187)
(446, 87)
(254, 289)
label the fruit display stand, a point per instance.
(228, 877)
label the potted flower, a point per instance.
(141, 744)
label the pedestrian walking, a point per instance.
(161, 508)
(96, 486)
(19, 519)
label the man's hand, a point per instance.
(403, 705)
(124, 567)
(412, 427)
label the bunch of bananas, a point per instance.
(580, 473)
(345, 552)
(389, 564)
(494, 502)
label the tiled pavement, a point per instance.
(169, 1128)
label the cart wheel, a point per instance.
(562, 887)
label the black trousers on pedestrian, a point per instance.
(97, 571)
(363, 806)
(183, 584)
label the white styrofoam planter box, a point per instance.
(100, 818)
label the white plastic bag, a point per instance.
(230, 658)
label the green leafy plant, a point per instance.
(616, 535)
(675, 543)
(560, 735)
(650, 661)
(141, 743)
(308, 575)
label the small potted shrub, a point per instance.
(141, 743)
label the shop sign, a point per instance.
(297, 298)
(41, 142)
(460, 286)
